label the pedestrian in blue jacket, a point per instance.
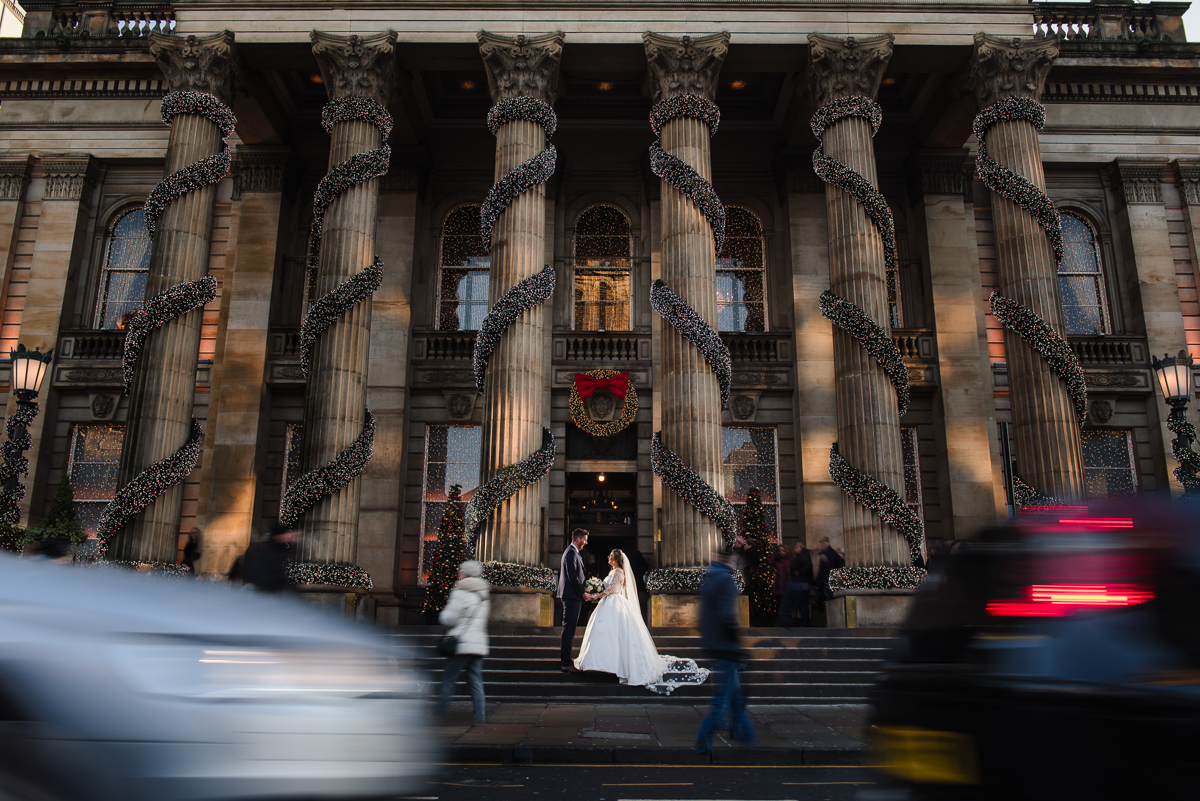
(721, 640)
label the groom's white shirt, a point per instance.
(562, 569)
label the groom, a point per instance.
(570, 591)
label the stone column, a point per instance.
(513, 400)
(69, 187)
(160, 397)
(14, 177)
(335, 407)
(1187, 181)
(1048, 452)
(963, 405)
(691, 395)
(1149, 259)
(868, 422)
(236, 447)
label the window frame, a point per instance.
(441, 268)
(778, 503)
(912, 435)
(73, 437)
(1131, 449)
(1100, 275)
(627, 269)
(100, 301)
(429, 427)
(761, 269)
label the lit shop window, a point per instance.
(463, 295)
(451, 457)
(126, 267)
(750, 459)
(1108, 465)
(603, 250)
(92, 464)
(1080, 279)
(740, 282)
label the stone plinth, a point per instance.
(518, 606)
(869, 609)
(682, 611)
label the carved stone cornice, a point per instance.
(263, 168)
(69, 178)
(937, 172)
(14, 177)
(357, 66)
(198, 63)
(1140, 181)
(522, 65)
(850, 66)
(1188, 178)
(1002, 68)
(684, 66)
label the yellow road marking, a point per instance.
(806, 784)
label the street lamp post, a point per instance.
(28, 368)
(1175, 378)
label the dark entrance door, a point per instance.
(606, 505)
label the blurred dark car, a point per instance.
(1056, 658)
(122, 686)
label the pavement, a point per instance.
(523, 733)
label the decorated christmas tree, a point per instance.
(446, 554)
(60, 522)
(760, 575)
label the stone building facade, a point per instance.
(82, 146)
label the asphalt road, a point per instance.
(649, 783)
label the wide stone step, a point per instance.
(779, 666)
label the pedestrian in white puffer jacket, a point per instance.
(467, 614)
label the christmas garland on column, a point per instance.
(15, 463)
(667, 465)
(1189, 460)
(311, 488)
(516, 300)
(874, 339)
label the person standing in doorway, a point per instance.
(571, 582)
(722, 641)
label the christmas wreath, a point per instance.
(619, 385)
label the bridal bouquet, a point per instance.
(594, 585)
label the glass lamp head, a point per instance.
(1174, 375)
(28, 369)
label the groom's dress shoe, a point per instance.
(570, 669)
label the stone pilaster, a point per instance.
(14, 178)
(1142, 222)
(361, 66)
(1048, 452)
(1187, 181)
(691, 397)
(513, 399)
(238, 412)
(868, 422)
(160, 397)
(69, 185)
(963, 404)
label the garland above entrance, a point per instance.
(619, 385)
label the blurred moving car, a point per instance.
(121, 686)
(1056, 658)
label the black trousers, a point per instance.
(570, 622)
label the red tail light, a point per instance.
(1060, 600)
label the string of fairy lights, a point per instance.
(862, 488)
(307, 491)
(15, 463)
(677, 172)
(157, 312)
(524, 176)
(1189, 460)
(517, 299)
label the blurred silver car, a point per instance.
(121, 686)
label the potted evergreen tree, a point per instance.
(445, 555)
(60, 522)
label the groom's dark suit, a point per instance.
(570, 591)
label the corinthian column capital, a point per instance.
(844, 67)
(361, 66)
(522, 66)
(198, 63)
(1002, 68)
(684, 66)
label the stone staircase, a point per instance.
(786, 666)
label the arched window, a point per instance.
(1080, 279)
(740, 282)
(463, 296)
(126, 266)
(603, 250)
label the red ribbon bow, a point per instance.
(618, 385)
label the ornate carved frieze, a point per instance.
(684, 66)
(362, 66)
(850, 66)
(522, 65)
(69, 178)
(263, 169)
(1003, 68)
(1188, 176)
(938, 172)
(14, 176)
(1140, 182)
(1106, 379)
(198, 63)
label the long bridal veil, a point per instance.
(676, 671)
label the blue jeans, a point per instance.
(473, 663)
(728, 702)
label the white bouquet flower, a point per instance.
(594, 585)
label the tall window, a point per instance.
(292, 438)
(1108, 464)
(451, 457)
(463, 296)
(1080, 280)
(912, 471)
(92, 464)
(741, 295)
(603, 250)
(126, 266)
(750, 459)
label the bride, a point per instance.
(616, 639)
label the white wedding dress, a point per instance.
(617, 641)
